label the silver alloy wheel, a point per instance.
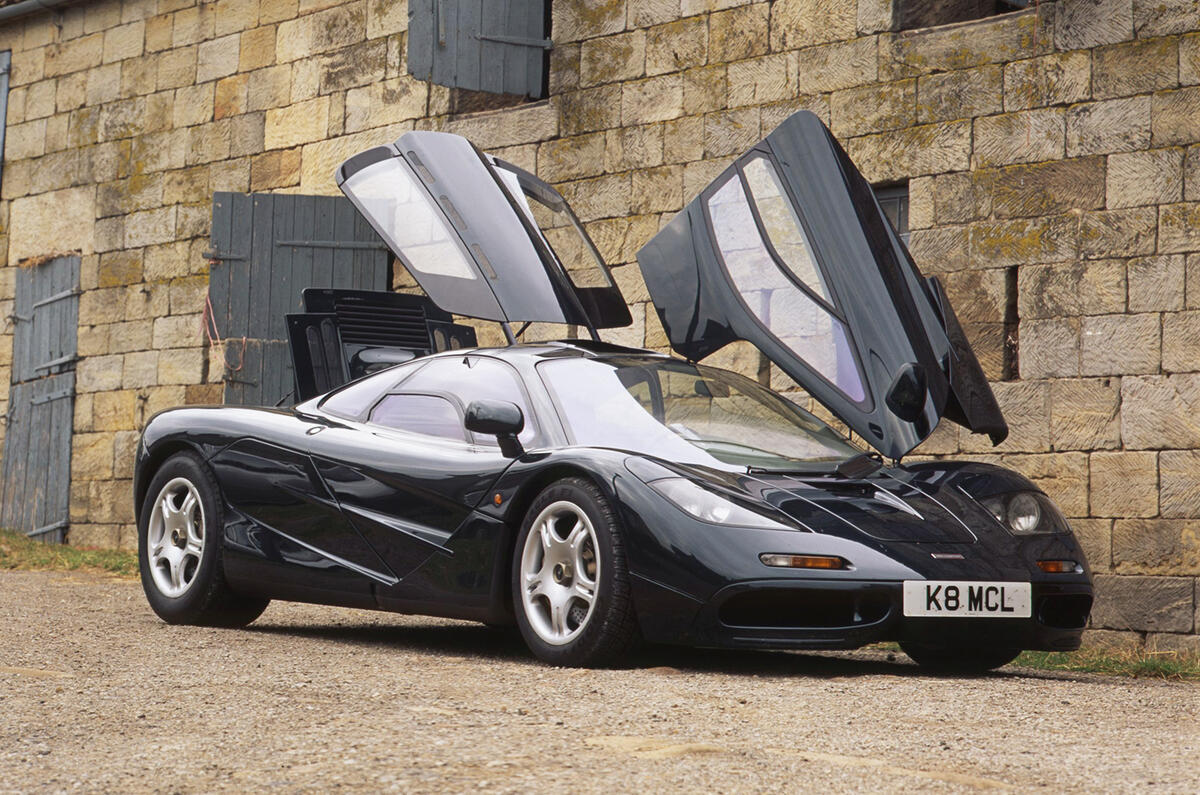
(175, 537)
(559, 571)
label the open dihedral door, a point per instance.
(483, 238)
(789, 250)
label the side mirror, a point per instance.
(906, 395)
(497, 418)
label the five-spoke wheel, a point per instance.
(176, 537)
(179, 549)
(570, 584)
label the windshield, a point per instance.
(689, 414)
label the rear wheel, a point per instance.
(179, 549)
(570, 583)
(958, 660)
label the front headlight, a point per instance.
(702, 504)
(1025, 513)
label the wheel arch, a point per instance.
(149, 463)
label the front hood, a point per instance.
(789, 250)
(889, 505)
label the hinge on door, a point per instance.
(540, 44)
(70, 358)
(51, 396)
(355, 244)
(65, 294)
(50, 528)
(223, 256)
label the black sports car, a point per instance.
(595, 494)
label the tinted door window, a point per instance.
(470, 378)
(425, 414)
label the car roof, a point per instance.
(556, 349)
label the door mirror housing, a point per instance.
(498, 418)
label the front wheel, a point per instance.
(179, 549)
(958, 660)
(570, 582)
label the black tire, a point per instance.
(958, 660)
(606, 630)
(199, 594)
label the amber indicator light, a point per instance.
(1057, 566)
(497, 499)
(803, 561)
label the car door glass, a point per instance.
(796, 319)
(783, 226)
(425, 414)
(352, 400)
(471, 378)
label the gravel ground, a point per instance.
(97, 694)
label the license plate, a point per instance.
(967, 599)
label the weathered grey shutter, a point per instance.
(482, 45)
(266, 249)
(5, 68)
(35, 490)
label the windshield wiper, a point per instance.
(859, 466)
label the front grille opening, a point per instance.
(1065, 611)
(780, 608)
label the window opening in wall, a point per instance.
(928, 13)
(492, 53)
(893, 199)
(1012, 322)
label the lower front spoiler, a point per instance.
(787, 614)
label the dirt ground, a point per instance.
(97, 694)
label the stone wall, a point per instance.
(1051, 155)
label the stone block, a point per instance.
(1112, 640)
(921, 202)
(324, 31)
(683, 140)
(193, 105)
(71, 56)
(26, 140)
(140, 369)
(761, 80)
(1181, 342)
(829, 67)
(1094, 287)
(963, 94)
(1192, 282)
(1022, 241)
(655, 99)
(911, 152)
(139, 76)
(39, 99)
(1144, 603)
(776, 113)
(874, 108)
(1117, 233)
(979, 296)
(384, 103)
(114, 410)
(124, 41)
(651, 12)
(1080, 24)
(177, 331)
(1115, 125)
(61, 220)
(1176, 117)
(1164, 17)
(946, 48)
(1179, 227)
(1179, 471)
(1120, 344)
(1022, 137)
(959, 198)
(1135, 67)
(257, 48)
(591, 109)
(125, 337)
(583, 19)
(1159, 411)
(91, 456)
(361, 64)
(1173, 644)
(1055, 79)
(1085, 414)
(632, 148)
(269, 88)
(801, 23)
(657, 190)
(218, 58)
(181, 366)
(1141, 178)
(120, 267)
(676, 46)
(603, 197)
(1123, 484)
(1049, 348)
(1189, 60)
(1156, 283)
(707, 89)
(1095, 536)
(1046, 188)
(941, 250)
(697, 176)
(297, 124)
(523, 124)
(564, 68)
(571, 158)
(613, 58)
(738, 33)
(730, 132)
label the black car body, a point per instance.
(412, 489)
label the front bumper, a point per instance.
(798, 614)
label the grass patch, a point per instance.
(1135, 663)
(24, 554)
